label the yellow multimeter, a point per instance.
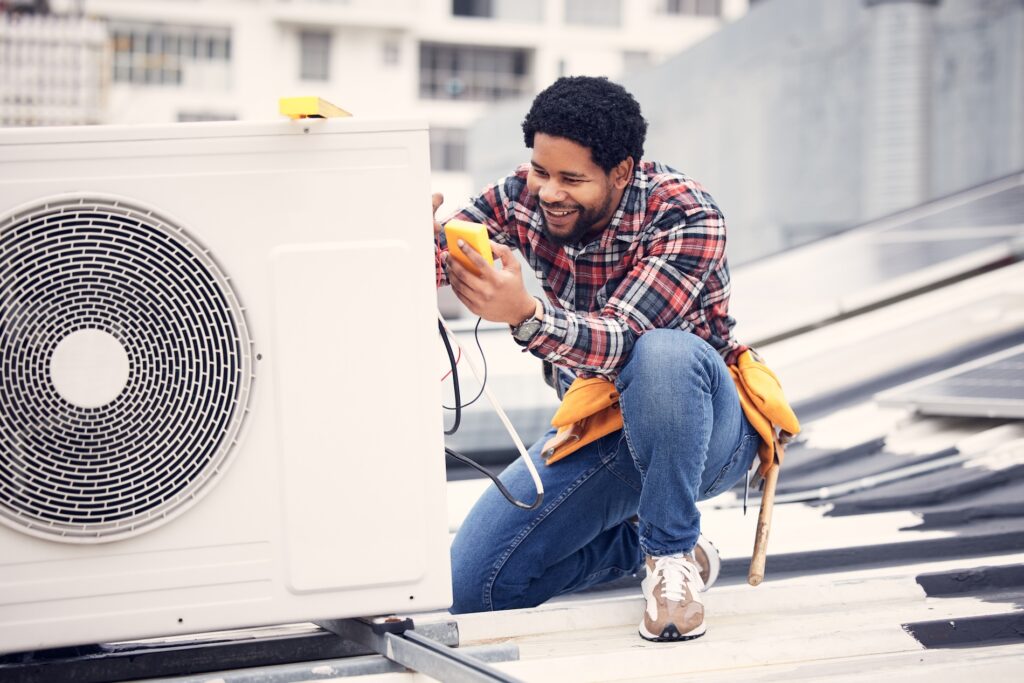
(473, 234)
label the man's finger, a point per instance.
(460, 277)
(475, 258)
(505, 255)
(464, 292)
(436, 199)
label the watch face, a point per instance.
(526, 330)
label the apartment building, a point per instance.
(444, 61)
(52, 68)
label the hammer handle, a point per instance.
(764, 524)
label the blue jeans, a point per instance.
(685, 439)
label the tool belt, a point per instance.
(590, 409)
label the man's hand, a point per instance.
(495, 295)
(437, 199)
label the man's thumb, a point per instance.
(437, 199)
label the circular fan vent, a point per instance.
(126, 369)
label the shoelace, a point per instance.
(676, 572)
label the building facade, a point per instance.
(443, 61)
(53, 69)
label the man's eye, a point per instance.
(540, 173)
(573, 181)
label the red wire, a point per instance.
(458, 357)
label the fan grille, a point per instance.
(78, 472)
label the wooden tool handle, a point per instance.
(764, 524)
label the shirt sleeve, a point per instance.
(682, 250)
(495, 208)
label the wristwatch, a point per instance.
(525, 330)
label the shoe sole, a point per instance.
(692, 635)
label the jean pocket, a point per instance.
(734, 468)
(609, 445)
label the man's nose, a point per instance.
(551, 193)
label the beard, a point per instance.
(587, 218)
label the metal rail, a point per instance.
(395, 639)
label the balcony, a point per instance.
(395, 14)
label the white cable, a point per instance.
(497, 408)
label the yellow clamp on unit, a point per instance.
(309, 108)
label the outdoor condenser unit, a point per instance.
(219, 395)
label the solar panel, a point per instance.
(992, 386)
(880, 261)
(1001, 208)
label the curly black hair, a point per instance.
(593, 112)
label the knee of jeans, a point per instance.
(480, 594)
(467, 591)
(466, 599)
(477, 588)
(658, 350)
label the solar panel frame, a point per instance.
(991, 386)
(880, 261)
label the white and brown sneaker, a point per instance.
(708, 561)
(706, 554)
(672, 591)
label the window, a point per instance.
(473, 8)
(161, 54)
(314, 55)
(698, 8)
(448, 149)
(594, 12)
(635, 60)
(391, 52)
(468, 72)
(189, 116)
(508, 10)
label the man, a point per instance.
(631, 256)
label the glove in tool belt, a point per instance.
(590, 410)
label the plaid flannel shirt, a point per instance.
(660, 263)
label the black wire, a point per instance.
(458, 418)
(497, 482)
(455, 377)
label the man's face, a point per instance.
(576, 196)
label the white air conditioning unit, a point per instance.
(219, 395)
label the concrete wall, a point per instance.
(770, 114)
(978, 125)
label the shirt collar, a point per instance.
(628, 220)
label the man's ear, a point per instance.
(622, 173)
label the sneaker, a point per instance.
(672, 591)
(708, 560)
(706, 554)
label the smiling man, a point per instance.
(631, 256)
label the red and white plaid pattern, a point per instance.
(659, 264)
